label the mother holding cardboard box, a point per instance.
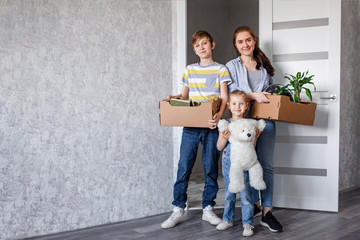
(252, 73)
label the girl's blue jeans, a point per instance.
(265, 146)
(247, 205)
(191, 137)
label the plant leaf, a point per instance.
(308, 93)
(296, 99)
(282, 89)
(288, 78)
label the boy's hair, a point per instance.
(238, 93)
(200, 34)
(259, 56)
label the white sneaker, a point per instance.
(224, 225)
(248, 230)
(210, 217)
(176, 217)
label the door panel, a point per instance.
(293, 10)
(300, 40)
(306, 160)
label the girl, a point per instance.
(238, 107)
(252, 73)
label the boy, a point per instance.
(201, 82)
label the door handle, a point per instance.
(332, 98)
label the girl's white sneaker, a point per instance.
(224, 225)
(248, 230)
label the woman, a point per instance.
(252, 73)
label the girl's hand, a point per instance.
(226, 134)
(258, 132)
(214, 121)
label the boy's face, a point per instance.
(237, 105)
(203, 48)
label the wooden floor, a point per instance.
(298, 224)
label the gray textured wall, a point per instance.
(80, 141)
(349, 176)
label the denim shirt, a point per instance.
(239, 77)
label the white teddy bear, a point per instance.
(242, 153)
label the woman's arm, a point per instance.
(258, 96)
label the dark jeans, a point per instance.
(191, 137)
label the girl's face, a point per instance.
(237, 106)
(245, 43)
(203, 48)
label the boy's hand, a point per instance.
(214, 121)
(167, 98)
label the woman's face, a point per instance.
(245, 44)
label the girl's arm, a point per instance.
(183, 95)
(222, 140)
(224, 99)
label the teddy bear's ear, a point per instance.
(222, 125)
(261, 124)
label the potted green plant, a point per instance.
(297, 83)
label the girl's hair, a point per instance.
(259, 55)
(239, 94)
(200, 34)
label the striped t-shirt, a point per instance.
(204, 81)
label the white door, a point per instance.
(301, 35)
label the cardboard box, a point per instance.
(186, 116)
(280, 108)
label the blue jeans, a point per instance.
(247, 205)
(191, 137)
(265, 152)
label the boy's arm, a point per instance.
(183, 95)
(224, 98)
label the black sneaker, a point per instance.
(271, 223)
(257, 211)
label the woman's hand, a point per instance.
(259, 96)
(214, 121)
